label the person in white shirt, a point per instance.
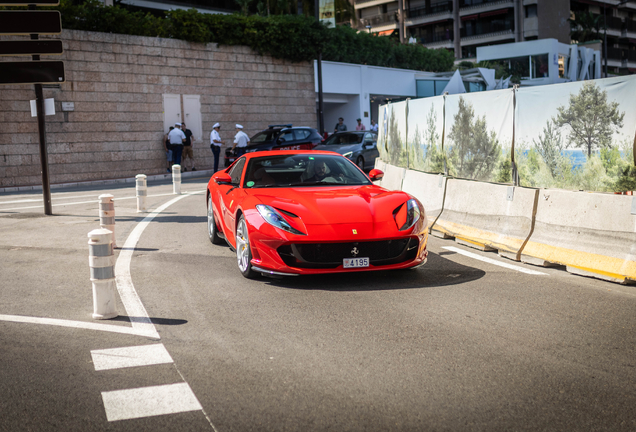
(374, 126)
(241, 140)
(215, 144)
(176, 138)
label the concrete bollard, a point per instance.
(142, 192)
(176, 179)
(107, 214)
(102, 264)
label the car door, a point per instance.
(230, 199)
(370, 149)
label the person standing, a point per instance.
(360, 126)
(177, 138)
(374, 126)
(215, 144)
(241, 140)
(188, 147)
(168, 147)
(340, 126)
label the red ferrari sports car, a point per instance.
(289, 213)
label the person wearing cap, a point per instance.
(215, 144)
(241, 140)
(187, 148)
(176, 138)
(360, 126)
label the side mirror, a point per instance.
(221, 177)
(376, 174)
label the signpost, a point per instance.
(33, 23)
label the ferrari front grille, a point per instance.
(330, 255)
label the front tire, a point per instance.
(213, 231)
(360, 162)
(243, 251)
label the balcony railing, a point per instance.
(614, 23)
(378, 20)
(471, 4)
(630, 25)
(433, 10)
(436, 37)
(615, 53)
(485, 35)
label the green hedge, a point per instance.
(291, 37)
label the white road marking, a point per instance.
(68, 323)
(129, 298)
(495, 262)
(84, 202)
(116, 358)
(149, 401)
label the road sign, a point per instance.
(31, 47)
(26, 22)
(32, 72)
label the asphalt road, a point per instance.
(459, 344)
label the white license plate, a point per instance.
(355, 262)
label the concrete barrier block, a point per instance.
(487, 216)
(393, 177)
(592, 234)
(429, 189)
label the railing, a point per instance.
(366, 1)
(612, 22)
(378, 20)
(436, 37)
(630, 25)
(615, 53)
(439, 8)
(472, 4)
(489, 30)
(485, 35)
(631, 55)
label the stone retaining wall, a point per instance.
(116, 83)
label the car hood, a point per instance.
(339, 148)
(335, 205)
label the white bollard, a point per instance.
(102, 264)
(142, 192)
(176, 179)
(107, 214)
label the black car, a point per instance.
(360, 146)
(279, 137)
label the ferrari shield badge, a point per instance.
(355, 231)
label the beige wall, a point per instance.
(116, 83)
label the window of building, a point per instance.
(531, 11)
(540, 66)
(563, 60)
(432, 87)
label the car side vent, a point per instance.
(285, 212)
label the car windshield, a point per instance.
(299, 170)
(344, 138)
(265, 136)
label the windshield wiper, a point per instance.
(313, 183)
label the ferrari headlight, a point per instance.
(407, 215)
(348, 154)
(274, 218)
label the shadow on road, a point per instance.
(438, 271)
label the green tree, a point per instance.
(591, 118)
(585, 26)
(475, 152)
(549, 146)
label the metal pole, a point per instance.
(605, 40)
(321, 119)
(44, 159)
